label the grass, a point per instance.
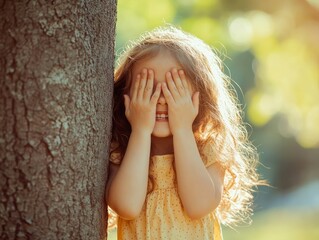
(278, 225)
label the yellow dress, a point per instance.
(162, 216)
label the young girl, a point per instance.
(180, 159)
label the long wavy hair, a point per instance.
(218, 126)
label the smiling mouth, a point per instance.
(161, 116)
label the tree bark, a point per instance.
(56, 79)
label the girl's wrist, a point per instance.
(182, 132)
(141, 132)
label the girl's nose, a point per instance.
(161, 100)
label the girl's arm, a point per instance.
(200, 189)
(128, 188)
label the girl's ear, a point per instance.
(195, 100)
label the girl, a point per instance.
(180, 159)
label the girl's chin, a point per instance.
(161, 133)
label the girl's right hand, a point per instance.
(140, 106)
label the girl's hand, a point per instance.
(140, 108)
(182, 106)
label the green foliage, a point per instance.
(135, 17)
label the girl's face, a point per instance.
(161, 63)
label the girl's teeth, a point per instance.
(161, 116)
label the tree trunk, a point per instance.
(56, 79)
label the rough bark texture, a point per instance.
(56, 79)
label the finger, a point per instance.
(126, 103)
(167, 94)
(195, 100)
(141, 87)
(171, 85)
(149, 85)
(136, 86)
(184, 81)
(156, 94)
(178, 82)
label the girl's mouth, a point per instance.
(161, 116)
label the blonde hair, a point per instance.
(218, 128)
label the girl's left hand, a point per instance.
(182, 106)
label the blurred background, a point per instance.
(271, 51)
